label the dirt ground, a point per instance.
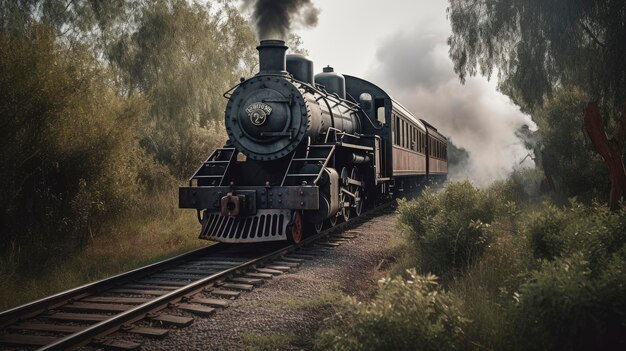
(286, 312)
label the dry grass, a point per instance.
(134, 241)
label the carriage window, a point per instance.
(406, 135)
(399, 131)
(419, 141)
(407, 140)
(419, 137)
(396, 137)
(405, 129)
(381, 115)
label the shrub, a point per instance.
(68, 144)
(576, 298)
(448, 230)
(592, 230)
(563, 307)
(405, 315)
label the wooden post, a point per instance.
(610, 149)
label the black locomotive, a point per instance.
(306, 151)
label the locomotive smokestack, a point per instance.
(272, 56)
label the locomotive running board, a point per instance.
(266, 225)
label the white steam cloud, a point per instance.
(414, 67)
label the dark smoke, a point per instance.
(275, 18)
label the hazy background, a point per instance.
(401, 46)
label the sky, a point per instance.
(400, 45)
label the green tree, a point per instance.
(538, 46)
(67, 140)
(183, 57)
(90, 23)
(564, 152)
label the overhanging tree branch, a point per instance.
(591, 35)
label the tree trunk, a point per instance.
(610, 149)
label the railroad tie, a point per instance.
(269, 271)
(252, 281)
(229, 294)
(204, 311)
(293, 259)
(31, 340)
(116, 344)
(156, 333)
(44, 327)
(286, 264)
(278, 268)
(259, 275)
(168, 319)
(238, 286)
(221, 303)
(301, 256)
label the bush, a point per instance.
(575, 299)
(449, 230)
(405, 315)
(68, 143)
(594, 231)
(564, 307)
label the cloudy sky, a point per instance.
(401, 46)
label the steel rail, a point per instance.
(34, 308)
(116, 322)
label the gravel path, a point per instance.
(286, 311)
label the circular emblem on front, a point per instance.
(258, 113)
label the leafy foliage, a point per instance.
(65, 145)
(591, 231)
(103, 106)
(405, 315)
(564, 305)
(449, 230)
(181, 58)
(548, 277)
(569, 161)
(536, 45)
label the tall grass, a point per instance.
(152, 232)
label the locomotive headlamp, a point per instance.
(230, 205)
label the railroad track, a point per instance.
(134, 302)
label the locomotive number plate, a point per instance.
(258, 113)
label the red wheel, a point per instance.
(295, 232)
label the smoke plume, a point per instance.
(415, 68)
(275, 18)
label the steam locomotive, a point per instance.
(307, 151)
